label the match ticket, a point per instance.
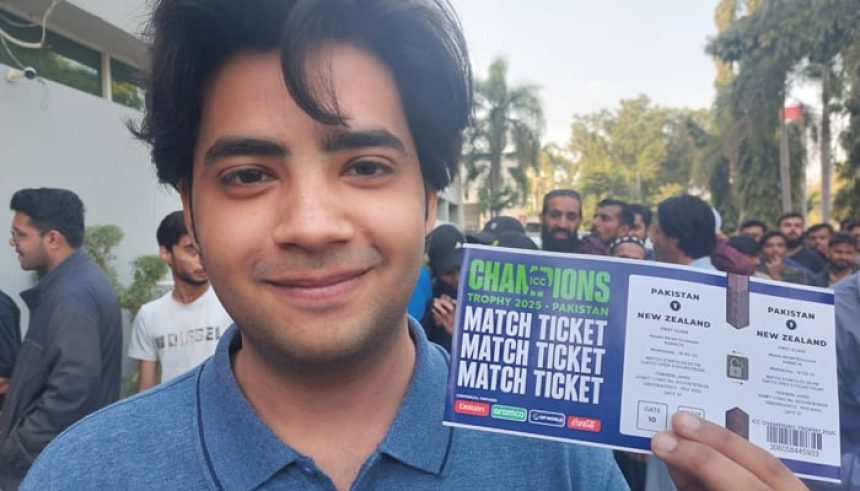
(603, 351)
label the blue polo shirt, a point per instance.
(199, 432)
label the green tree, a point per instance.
(780, 41)
(99, 242)
(639, 152)
(146, 272)
(503, 141)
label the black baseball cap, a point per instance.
(496, 226)
(514, 240)
(445, 248)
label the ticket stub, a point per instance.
(603, 351)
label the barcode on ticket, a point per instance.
(794, 438)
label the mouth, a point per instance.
(560, 234)
(317, 289)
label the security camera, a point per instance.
(13, 74)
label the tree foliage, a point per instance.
(100, 241)
(777, 43)
(639, 152)
(503, 140)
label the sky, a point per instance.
(589, 55)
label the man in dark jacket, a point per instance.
(10, 340)
(69, 364)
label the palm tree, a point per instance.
(504, 138)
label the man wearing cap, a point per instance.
(494, 227)
(445, 251)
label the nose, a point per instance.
(312, 215)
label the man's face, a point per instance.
(560, 221)
(309, 232)
(753, 231)
(607, 222)
(184, 261)
(841, 256)
(792, 228)
(629, 250)
(818, 240)
(639, 228)
(29, 244)
(774, 248)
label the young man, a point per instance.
(791, 227)
(753, 228)
(818, 236)
(10, 340)
(69, 364)
(181, 329)
(310, 205)
(611, 220)
(641, 221)
(841, 253)
(445, 253)
(773, 251)
(683, 232)
(559, 220)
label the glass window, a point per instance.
(60, 59)
(125, 85)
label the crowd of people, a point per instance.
(307, 141)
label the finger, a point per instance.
(695, 466)
(758, 461)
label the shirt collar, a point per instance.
(242, 452)
(33, 296)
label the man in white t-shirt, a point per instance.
(182, 328)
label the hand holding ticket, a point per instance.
(605, 352)
(702, 455)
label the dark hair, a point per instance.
(791, 214)
(627, 216)
(53, 209)
(555, 193)
(420, 41)
(771, 234)
(642, 210)
(753, 223)
(842, 238)
(171, 229)
(820, 226)
(691, 221)
(849, 225)
(611, 202)
(745, 244)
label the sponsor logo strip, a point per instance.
(510, 413)
(472, 408)
(547, 418)
(583, 424)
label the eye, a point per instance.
(245, 176)
(369, 168)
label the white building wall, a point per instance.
(55, 136)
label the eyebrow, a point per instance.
(357, 139)
(235, 146)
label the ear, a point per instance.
(187, 215)
(54, 240)
(431, 200)
(165, 254)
